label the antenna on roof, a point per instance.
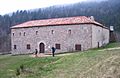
(92, 18)
(111, 28)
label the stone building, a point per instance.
(65, 34)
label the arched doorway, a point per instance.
(41, 48)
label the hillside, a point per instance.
(106, 12)
(96, 63)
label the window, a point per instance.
(13, 34)
(52, 32)
(36, 32)
(0, 45)
(78, 47)
(57, 46)
(98, 45)
(69, 32)
(24, 34)
(28, 46)
(20, 33)
(98, 30)
(15, 47)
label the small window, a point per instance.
(24, 34)
(98, 30)
(15, 47)
(78, 47)
(28, 46)
(20, 33)
(36, 32)
(98, 45)
(69, 32)
(52, 32)
(13, 34)
(0, 45)
(57, 46)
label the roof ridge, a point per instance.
(58, 21)
(58, 18)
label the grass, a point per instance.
(87, 64)
(110, 45)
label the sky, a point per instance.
(9, 6)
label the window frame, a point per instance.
(20, 33)
(28, 47)
(0, 45)
(52, 31)
(69, 31)
(13, 34)
(36, 32)
(78, 47)
(58, 46)
(24, 34)
(15, 47)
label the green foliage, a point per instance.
(112, 45)
(22, 67)
(17, 72)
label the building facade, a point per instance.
(65, 34)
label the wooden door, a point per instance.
(41, 48)
(98, 45)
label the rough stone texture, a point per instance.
(84, 34)
(100, 36)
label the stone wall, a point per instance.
(100, 36)
(51, 35)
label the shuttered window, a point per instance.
(78, 47)
(57, 46)
(28, 46)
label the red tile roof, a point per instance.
(58, 21)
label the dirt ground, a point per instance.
(47, 55)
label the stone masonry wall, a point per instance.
(51, 35)
(100, 36)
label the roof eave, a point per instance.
(54, 25)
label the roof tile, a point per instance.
(58, 21)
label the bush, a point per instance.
(22, 68)
(17, 71)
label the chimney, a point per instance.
(111, 28)
(92, 18)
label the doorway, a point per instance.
(98, 45)
(41, 48)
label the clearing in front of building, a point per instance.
(96, 63)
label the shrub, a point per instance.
(17, 71)
(22, 68)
